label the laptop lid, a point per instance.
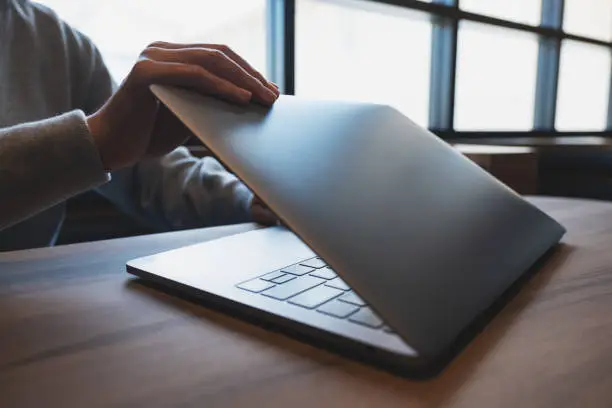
(428, 238)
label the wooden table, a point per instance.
(76, 331)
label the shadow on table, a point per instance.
(453, 372)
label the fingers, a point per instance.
(217, 63)
(261, 213)
(230, 54)
(245, 65)
(148, 71)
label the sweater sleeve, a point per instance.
(43, 163)
(180, 191)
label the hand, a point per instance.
(261, 213)
(133, 125)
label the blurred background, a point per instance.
(392, 51)
(522, 73)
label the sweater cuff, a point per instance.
(46, 162)
(79, 164)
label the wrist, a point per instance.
(95, 130)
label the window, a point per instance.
(522, 11)
(589, 18)
(584, 83)
(366, 52)
(496, 76)
(121, 29)
(460, 67)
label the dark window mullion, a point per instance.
(441, 8)
(549, 52)
(443, 70)
(547, 84)
(281, 44)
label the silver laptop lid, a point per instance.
(427, 237)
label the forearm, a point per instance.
(43, 163)
(180, 191)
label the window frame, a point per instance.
(446, 16)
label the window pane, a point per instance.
(589, 18)
(121, 29)
(364, 51)
(584, 82)
(496, 76)
(522, 11)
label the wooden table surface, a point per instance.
(76, 331)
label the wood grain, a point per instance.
(76, 331)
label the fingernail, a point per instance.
(269, 97)
(272, 89)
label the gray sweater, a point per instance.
(50, 77)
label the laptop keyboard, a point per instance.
(312, 284)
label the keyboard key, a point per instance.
(283, 278)
(338, 284)
(338, 309)
(292, 288)
(365, 316)
(315, 296)
(298, 269)
(351, 297)
(314, 263)
(272, 275)
(255, 285)
(325, 273)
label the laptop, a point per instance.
(394, 248)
